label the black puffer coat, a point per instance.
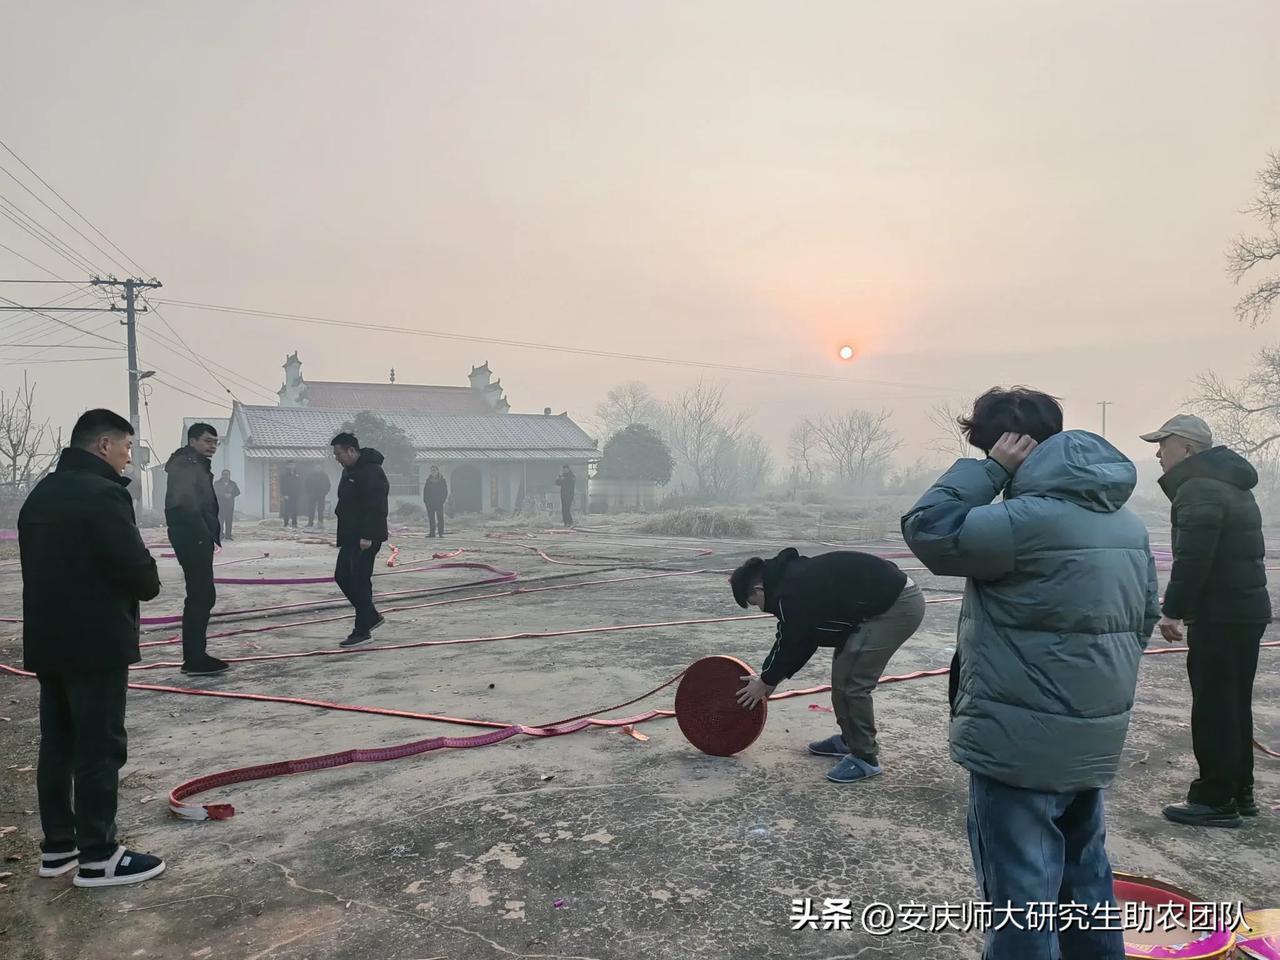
(1219, 556)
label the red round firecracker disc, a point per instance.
(708, 711)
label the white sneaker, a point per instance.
(122, 868)
(56, 864)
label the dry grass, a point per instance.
(700, 522)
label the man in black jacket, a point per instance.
(434, 494)
(568, 484)
(863, 606)
(84, 571)
(227, 490)
(317, 488)
(290, 493)
(191, 511)
(1218, 589)
(362, 530)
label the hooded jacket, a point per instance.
(820, 601)
(362, 500)
(84, 569)
(190, 503)
(1060, 602)
(1219, 557)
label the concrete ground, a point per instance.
(593, 845)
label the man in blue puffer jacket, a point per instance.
(1060, 602)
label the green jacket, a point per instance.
(1060, 602)
(1219, 557)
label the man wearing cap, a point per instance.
(1217, 602)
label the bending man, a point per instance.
(862, 606)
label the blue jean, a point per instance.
(1034, 847)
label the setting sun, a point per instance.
(846, 352)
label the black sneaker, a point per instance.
(1247, 805)
(56, 864)
(206, 667)
(377, 623)
(356, 638)
(1203, 815)
(124, 867)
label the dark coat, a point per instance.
(362, 500)
(226, 491)
(568, 483)
(435, 491)
(317, 485)
(290, 483)
(84, 570)
(190, 504)
(819, 601)
(1219, 558)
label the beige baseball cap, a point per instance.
(1186, 426)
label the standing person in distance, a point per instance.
(290, 494)
(435, 492)
(1218, 592)
(317, 488)
(191, 512)
(1059, 602)
(84, 571)
(362, 530)
(227, 491)
(568, 484)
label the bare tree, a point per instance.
(756, 462)
(1245, 415)
(858, 444)
(1248, 252)
(950, 439)
(697, 427)
(24, 443)
(802, 448)
(625, 405)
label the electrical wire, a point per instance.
(536, 345)
(40, 200)
(267, 391)
(33, 263)
(50, 188)
(66, 254)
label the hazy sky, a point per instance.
(971, 193)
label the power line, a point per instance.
(33, 263)
(61, 346)
(26, 363)
(64, 322)
(71, 257)
(202, 362)
(19, 317)
(533, 345)
(170, 345)
(76, 336)
(40, 200)
(37, 281)
(48, 187)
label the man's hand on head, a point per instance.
(1011, 450)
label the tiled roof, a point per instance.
(511, 435)
(419, 398)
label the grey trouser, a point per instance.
(856, 669)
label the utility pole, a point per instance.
(131, 287)
(1104, 404)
